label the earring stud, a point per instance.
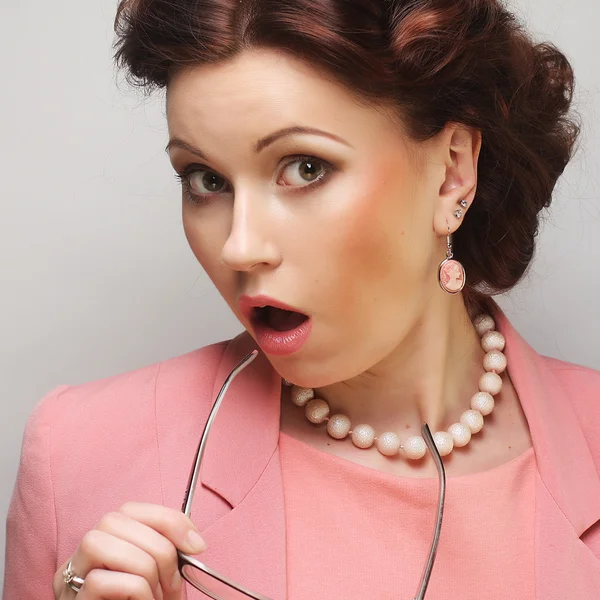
(458, 213)
(464, 203)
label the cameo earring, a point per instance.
(451, 273)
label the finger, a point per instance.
(158, 546)
(100, 550)
(114, 585)
(171, 523)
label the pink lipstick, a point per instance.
(280, 329)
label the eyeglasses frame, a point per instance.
(186, 507)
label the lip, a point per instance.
(248, 303)
(282, 343)
(274, 342)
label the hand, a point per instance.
(131, 554)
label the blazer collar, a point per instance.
(250, 416)
(245, 433)
(564, 460)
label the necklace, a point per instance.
(388, 443)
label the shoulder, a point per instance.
(581, 383)
(88, 448)
(124, 395)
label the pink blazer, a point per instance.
(89, 448)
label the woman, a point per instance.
(359, 179)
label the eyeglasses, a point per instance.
(218, 586)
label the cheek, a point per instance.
(195, 236)
(206, 241)
(363, 243)
(375, 239)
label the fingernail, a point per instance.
(196, 542)
(176, 581)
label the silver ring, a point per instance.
(71, 579)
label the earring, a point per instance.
(459, 213)
(451, 273)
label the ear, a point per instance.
(460, 147)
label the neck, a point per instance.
(429, 377)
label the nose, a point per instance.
(251, 240)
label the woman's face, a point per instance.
(339, 225)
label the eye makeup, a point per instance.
(199, 199)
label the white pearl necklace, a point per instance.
(388, 443)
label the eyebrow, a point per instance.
(263, 142)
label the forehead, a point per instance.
(261, 90)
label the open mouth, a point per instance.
(277, 318)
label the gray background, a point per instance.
(96, 275)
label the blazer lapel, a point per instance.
(241, 464)
(564, 566)
(248, 543)
(568, 486)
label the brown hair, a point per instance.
(437, 61)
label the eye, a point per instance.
(203, 182)
(303, 170)
(199, 183)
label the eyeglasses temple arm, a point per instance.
(194, 475)
(186, 506)
(440, 511)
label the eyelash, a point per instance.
(198, 199)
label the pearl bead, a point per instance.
(388, 443)
(415, 447)
(338, 426)
(473, 419)
(494, 361)
(483, 324)
(363, 436)
(493, 340)
(301, 395)
(317, 411)
(461, 434)
(443, 442)
(483, 402)
(490, 383)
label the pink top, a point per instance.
(354, 532)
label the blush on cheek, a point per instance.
(383, 247)
(367, 237)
